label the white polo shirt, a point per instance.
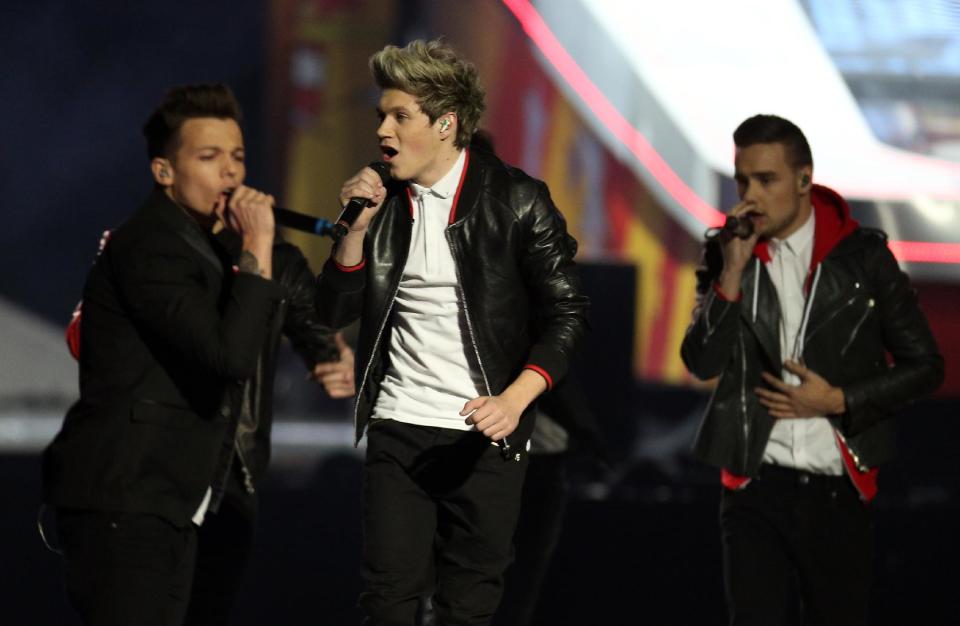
(433, 370)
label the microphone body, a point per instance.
(734, 226)
(299, 221)
(302, 222)
(356, 206)
(739, 227)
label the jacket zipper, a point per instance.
(247, 476)
(376, 344)
(743, 401)
(856, 328)
(279, 313)
(823, 323)
(856, 458)
(743, 369)
(466, 310)
(853, 334)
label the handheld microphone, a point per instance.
(741, 227)
(356, 206)
(298, 221)
(734, 226)
(301, 222)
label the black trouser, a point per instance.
(790, 531)
(545, 494)
(439, 511)
(126, 568)
(224, 545)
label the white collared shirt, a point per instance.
(432, 370)
(808, 443)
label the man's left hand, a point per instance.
(813, 397)
(337, 376)
(494, 416)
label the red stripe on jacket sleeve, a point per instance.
(723, 296)
(539, 370)
(349, 268)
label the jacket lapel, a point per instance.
(201, 244)
(185, 228)
(766, 326)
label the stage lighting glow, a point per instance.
(700, 70)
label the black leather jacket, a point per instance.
(514, 259)
(863, 307)
(296, 318)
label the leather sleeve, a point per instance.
(560, 308)
(310, 338)
(160, 280)
(709, 341)
(340, 295)
(917, 367)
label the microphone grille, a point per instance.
(382, 169)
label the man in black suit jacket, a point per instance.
(226, 538)
(170, 331)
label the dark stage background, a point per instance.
(648, 552)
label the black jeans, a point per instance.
(545, 495)
(224, 546)
(126, 568)
(439, 511)
(790, 531)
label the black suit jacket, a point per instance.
(167, 329)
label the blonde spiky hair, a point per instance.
(440, 81)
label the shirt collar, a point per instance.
(446, 186)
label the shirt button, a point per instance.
(804, 479)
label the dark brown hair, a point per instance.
(162, 128)
(774, 129)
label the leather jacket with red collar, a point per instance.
(861, 308)
(514, 261)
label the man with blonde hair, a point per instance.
(461, 272)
